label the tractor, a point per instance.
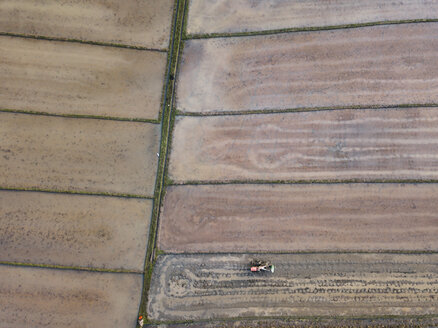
(261, 266)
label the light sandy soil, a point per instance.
(224, 16)
(34, 297)
(379, 65)
(221, 286)
(74, 230)
(248, 218)
(131, 22)
(81, 79)
(317, 145)
(71, 154)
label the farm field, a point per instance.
(150, 150)
(299, 217)
(348, 144)
(220, 286)
(80, 79)
(83, 155)
(311, 147)
(82, 98)
(365, 66)
(231, 16)
(129, 22)
(50, 298)
(58, 227)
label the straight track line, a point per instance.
(95, 43)
(306, 29)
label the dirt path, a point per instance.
(221, 286)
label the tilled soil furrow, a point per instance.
(303, 285)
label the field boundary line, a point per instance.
(312, 319)
(302, 109)
(85, 116)
(94, 43)
(66, 267)
(73, 192)
(322, 252)
(301, 182)
(198, 36)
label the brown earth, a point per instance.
(379, 65)
(193, 287)
(316, 145)
(36, 297)
(131, 22)
(74, 230)
(225, 16)
(290, 218)
(72, 154)
(81, 79)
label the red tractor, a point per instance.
(259, 266)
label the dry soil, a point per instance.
(71, 78)
(378, 65)
(297, 217)
(72, 154)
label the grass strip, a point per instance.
(66, 267)
(96, 117)
(302, 252)
(95, 43)
(394, 321)
(74, 192)
(166, 124)
(307, 29)
(300, 109)
(299, 182)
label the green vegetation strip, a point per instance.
(64, 267)
(231, 182)
(96, 43)
(354, 251)
(311, 320)
(299, 110)
(168, 116)
(70, 192)
(304, 29)
(96, 117)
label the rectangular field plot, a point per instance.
(380, 65)
(289, 218)
(84, 155)
(143, 23)
(186, 287)
(346, 144)
(228, 16)
(34, 297)
(71, 78)
(74, 230)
